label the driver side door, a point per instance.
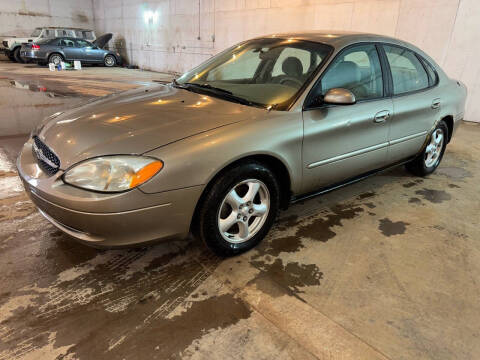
(344, 141)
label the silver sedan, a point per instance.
(218, 151)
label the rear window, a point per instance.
(36, 32)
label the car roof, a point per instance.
(69, 38)
(337, 38)
(62, 28)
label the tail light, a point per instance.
(35, 47)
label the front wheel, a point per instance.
(110, 61)
(239, 209)
(429, 159)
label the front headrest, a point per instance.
(293, 67)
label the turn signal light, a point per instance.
(146, 173)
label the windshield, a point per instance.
(36, 32)
(270, 72)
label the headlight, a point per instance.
(113, 173)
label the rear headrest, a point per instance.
(293, 67)
(343, 75)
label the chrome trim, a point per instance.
(409, 137)
(347, 155)
(365, 150)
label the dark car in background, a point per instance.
(11, 46)
(69, 49)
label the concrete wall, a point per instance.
(20, 17)
(181, 33)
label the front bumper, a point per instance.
(108, 220)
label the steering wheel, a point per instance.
(292, 79)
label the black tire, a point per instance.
(418, 165)
(110, 61)
(52, 58)
(10, 56)
(17, 57)
(206, 227)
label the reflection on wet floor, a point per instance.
(25, 85)
(29, 95)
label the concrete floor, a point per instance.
(387, 268)
(29, 93)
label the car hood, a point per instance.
(103, 40)
(136, 122)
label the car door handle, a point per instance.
(381, 116)
(436, 104)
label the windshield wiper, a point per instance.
(225, 94)
(210, 87)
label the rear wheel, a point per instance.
(17, 57)
(110, 61)
(55, 59)
(432, 155)
(239, 209)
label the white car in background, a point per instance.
(11, 45)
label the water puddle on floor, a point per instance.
(35, 86)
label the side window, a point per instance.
(358, 70)
(408, 72)
(432, 73)
(302, 57)
(67, 42)
(48, 34)
(83, 43)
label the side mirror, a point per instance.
(339, 96)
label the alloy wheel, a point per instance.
(56, 59)
(243, 211)
(434, 148)
(109, 61)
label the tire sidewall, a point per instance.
(208, 226)
(428, 170)
(17, 57)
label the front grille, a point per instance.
(46, 158)
(5, 43)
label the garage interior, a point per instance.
(386, 268)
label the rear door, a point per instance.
(70, 49)
(416, 103)
(344, 141)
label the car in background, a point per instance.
(70, 49)
(11, 45)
